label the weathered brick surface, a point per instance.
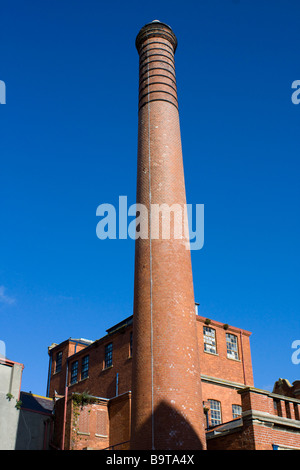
(261, 430)
(219, 365)
(100, 382)
(166, 391)
(87, 426)
(120, 421)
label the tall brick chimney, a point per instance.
(167, 411)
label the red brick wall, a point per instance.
(255, 437)
(101, 382)
(120, 420)
(58, 379)
(260, 431)
(87, 426)
(225, 395)
(165, 350)
(220, 366)
(97, 425)
(239, 440)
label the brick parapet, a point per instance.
(254, 399)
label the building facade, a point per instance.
(26, 420)
(91, 384)
(103, 370)
(10, 386)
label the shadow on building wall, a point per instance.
(35, 422)
(167, 429)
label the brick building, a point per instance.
(91, 382)
(165, 378)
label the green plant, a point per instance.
(79, 401)
(226, 326)
(18, 404)
(207, 321)
(82, 399)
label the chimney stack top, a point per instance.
(156, 29)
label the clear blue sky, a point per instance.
(68, 142)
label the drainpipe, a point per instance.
(45, 434)
(49, 374)
(65, 407)
(117, 385)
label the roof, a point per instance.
(232, 425)
(36, 403)
(124, 323)
(87, 342)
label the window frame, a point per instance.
(58, 361)
(108, 355)
(206, 328)
(85, 366)
(214, 420)
(231, 352)
(73, 378)
(236, 415)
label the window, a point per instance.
(102, 423)
(236, 411)
(232, 346)
(74, 372)
(85, 367)
(215, 412)
(58, 361)
(108, 355)
(130, 351)
(84, 420)
(209, 337)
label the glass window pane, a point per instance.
(236, 411)
(74, 372)
(58, 361)
(108, 355)
(232, 346)
(209, 338)
(215, 412)
(85, 367)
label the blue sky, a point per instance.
(68, 136)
